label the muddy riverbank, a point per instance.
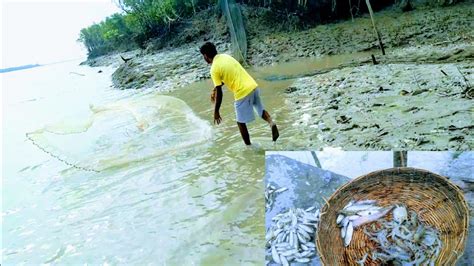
(178, 66)
(418, 96)
(409, 106)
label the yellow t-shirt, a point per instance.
(225, 69)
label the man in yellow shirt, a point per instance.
(226, 70)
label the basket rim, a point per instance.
(396, 170)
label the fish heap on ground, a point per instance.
(291, 236)
(404, 240)
(270, 194)
(357, 213)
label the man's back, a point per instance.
(225, 69)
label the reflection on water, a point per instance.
(179, 205)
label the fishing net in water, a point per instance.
(235, 23)
(128, 131)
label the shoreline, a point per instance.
(356, 105)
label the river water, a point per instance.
(87, 185)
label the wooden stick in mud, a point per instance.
(375, 27)
(373, 60)
(315, 157)
(400, 159)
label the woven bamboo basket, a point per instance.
(438, 202)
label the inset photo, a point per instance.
(335, 207)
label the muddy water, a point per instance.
(173, 204)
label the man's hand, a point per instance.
(217, 118)
(217, 97)
(213, 96)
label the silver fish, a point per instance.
(359, 207)
(304, 234)
(367, 202)
(353, 217)
(280, 190)
(303, 260)
(349, 232)
(369, 211)
(400, 214)
(284, 261)
(275, 256)
(305, 228)
(371, 218)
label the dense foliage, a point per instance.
(140, 21)
(143, 20)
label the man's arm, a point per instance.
(218, 98)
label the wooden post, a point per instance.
(375, 28)
(373, 60)
(400, 159)
(315, 158)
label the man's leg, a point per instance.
(244, 132)
(266, 116)
(258, 105)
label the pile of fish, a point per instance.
(357, 213)
(270, 194)
(291, 236)
(404, 240)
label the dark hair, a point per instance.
(209, 49)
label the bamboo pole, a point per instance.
(375, 27)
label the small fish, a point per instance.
(419, 233)
(343, 232)
(303, 260)
(349, 204)
(275, 256)
(284, 261)
(292, 239)
(300, 237)
(353, 217)
(304, 234)
(282, 245)
(371, 218)
(289, 252)
(306, 253)
(339, 218)
(269, 234)
(400, 214)
(306, 228)
(357, 208)
(345, 221)
(369, 211)
(348, 237)
(367, 202)
(280, 190)
(429, 240)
